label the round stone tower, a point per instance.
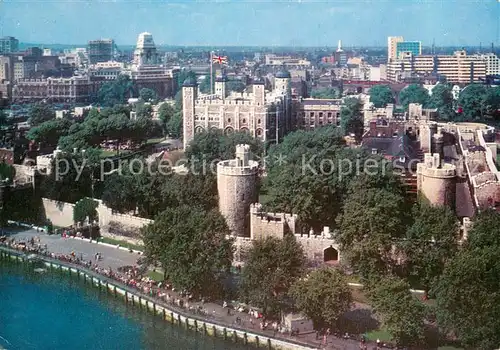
(436, 182)
(237, 187)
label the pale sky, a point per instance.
(253, 22)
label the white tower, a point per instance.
(189, 94)
(339, 47)
(220, 86)
(282, 81)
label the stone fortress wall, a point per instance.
(436, 181)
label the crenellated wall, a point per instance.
(59, 213)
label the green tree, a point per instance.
(183, 75)
(442, 99)
(401, 313)
(115, 92)
(467, 297)
(351, 117)
(414, 93)
(147, 95)
(143, 110)
(165, 113)
(381, 95)
(430, 243)
(3, 118)
(191, 246)
(272, 266)
(39, 113)
(326, 93)
(235, 85)
(374, 216)
(7, 171)
(324, 296)
(308, 173)
(479, 100)
(49, 132)
(212, 146)
(85, 208)
(173, 127)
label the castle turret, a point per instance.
(189, 94)
(220, 86)
(237, 188)
(282, 81)
(436, 182)
(258, 89)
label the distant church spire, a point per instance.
(339, 47)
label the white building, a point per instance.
(145, 52)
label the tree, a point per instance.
(191, 246)
(413, 93)
(3, 118)
(324, 296)
(165, 113)
(442, 99)
(183, 75)
(479, 100)
(351, 118)
(120, 192)
(326, 93)
(147, 95)
(173, 126)
(115, 92)
(467, 297)
(381, 95)
(7, 171)
(273, 265)
(143, 110)
(235, 85)
(212, 146)
(374, 216)
(429, 244)
(39, 113)
(401, 313)
(85, 209)
(308, 173)
(49, 132)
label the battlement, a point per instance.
(230, 167)
(256, 211)
(432, 167)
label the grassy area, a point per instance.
(380, 334)
(154, 141)
(155, 275)
(121, 243)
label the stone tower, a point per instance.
(189, 92)
(282, 81)
(220, 86)
(258, 89)
(437, 182)
(237, 187)
(145, 51)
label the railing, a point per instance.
(176, 314)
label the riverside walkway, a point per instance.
(115, 258)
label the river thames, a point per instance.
(48, 311)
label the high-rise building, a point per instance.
(101, 50)
(492, 63)
(8, 44)
(392, 47)
(415, 47)
(456, 68)
(145, 51)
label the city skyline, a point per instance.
(253, 23)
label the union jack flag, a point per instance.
(219, 59)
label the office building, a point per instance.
(8, 44)
(492, 63)
(415, 47)
(101, 50)
(145, 52)
(456, 68)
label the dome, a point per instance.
(190, 82)
(283, 74)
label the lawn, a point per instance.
(155, 275)
(380, 334)
(154, 141)
(121, 243)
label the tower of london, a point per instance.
(264, 114)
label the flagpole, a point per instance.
(211, 72)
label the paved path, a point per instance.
(114, 258)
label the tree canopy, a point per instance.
(85, 208)
(115, 92)
(49, 132)
(467, 293)
(442, 99)
(414, 93)
(191, 246)
(324, 296)
(351, 117)
(147, 95)
(326, 93)
(39, 113)
(479, 100)
(401, 313)
(272, 266)
(381, 95)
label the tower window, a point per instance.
(244, 121)
(229, 120)
(258, 121)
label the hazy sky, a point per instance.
(270, 22)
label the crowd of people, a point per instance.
(133, 277)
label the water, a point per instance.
(46, 311)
